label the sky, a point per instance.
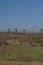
(21, 14)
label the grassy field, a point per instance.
(15, 51)
(29, 51)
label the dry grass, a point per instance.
(20, 63)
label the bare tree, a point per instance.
(41, 30)
(24, 30)
(16, 30)
(9, 30)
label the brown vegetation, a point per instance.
(25, 39)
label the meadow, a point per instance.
(12, 52)
(18, 51)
